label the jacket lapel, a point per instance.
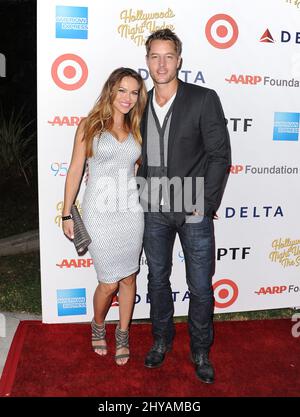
(175, 120)
(144, 124)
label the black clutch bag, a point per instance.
(81, 237)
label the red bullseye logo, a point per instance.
(69, 72)
(225, 292)
(221, 31)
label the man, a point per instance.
(184, 136)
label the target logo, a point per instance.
(221, 31)
(69, 72)
(225, 292)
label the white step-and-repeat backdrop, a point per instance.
(249, 52)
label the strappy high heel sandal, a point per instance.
(122, 341)
(98, 333)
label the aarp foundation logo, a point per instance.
(69, 72)
(225, 292)
(221, 31)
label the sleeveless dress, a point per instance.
(110, 209)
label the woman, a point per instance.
(109, 138)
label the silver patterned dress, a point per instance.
(111, 211)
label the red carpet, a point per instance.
(251, 358)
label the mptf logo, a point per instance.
(237, 124)
(69, 72)
(221, 31)
(71, 22)
(238, 253)
(225, 292)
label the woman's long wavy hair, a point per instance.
(100, 118)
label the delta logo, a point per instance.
(186, 75)
(75, 263)
(247, 79)
(253, 212)
(267, 37)
(277, 289)
(65, 121)
(285, 37)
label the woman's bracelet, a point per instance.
(64, 218)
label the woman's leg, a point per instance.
(127, 292)
(102, 301)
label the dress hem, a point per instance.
(118, 279)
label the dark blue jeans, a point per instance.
(197, 241)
